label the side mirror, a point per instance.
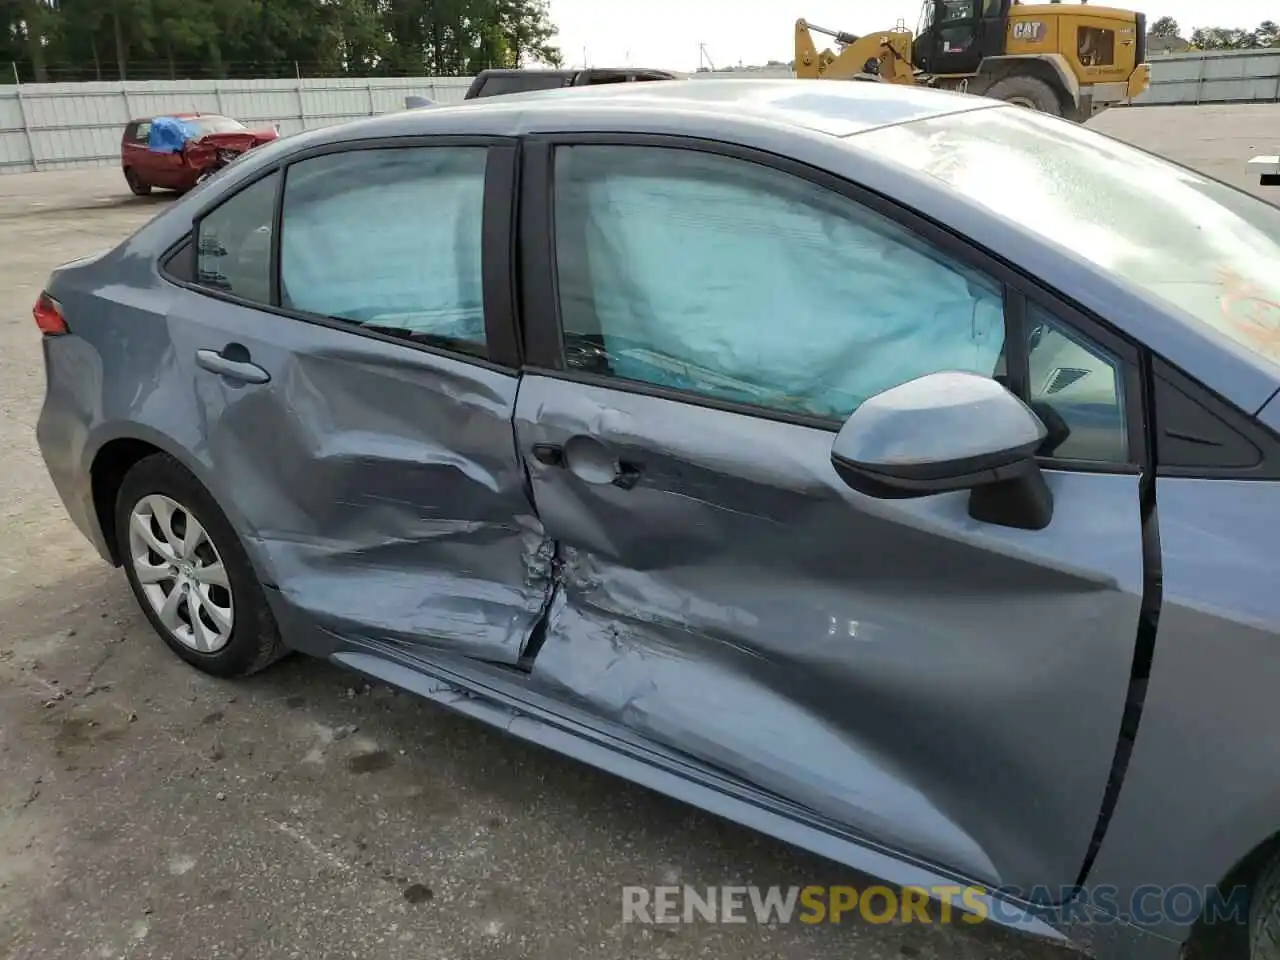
(945, 432)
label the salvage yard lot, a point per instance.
(147, 810)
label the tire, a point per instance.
(136, 185)
(1264, 915)
(219, 622)
(1026, 91)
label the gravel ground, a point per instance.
(147, 811)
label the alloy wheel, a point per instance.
(181, 573)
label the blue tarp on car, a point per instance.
(169, 135)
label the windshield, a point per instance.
(208, 125)
(1208, 248)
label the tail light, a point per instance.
(48, 314)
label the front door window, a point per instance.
(737, 282)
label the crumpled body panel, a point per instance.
(379, 487)
(907, 672)
(731, 704)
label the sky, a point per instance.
(666, 33)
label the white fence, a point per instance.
(51, 126)
(1215, 76)
(48, 126)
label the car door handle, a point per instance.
(231, 367)
(627, 475)
(590, 463)
(549, 454)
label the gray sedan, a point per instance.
(893, 471)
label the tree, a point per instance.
(176, 26)
(1165, 27)
(1219, 38)
(36, 26)
(526, 26)
(105, 39)
(1267, 34)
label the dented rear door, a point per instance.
(361, 415)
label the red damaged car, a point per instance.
(178, 150)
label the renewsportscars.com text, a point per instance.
(932, 905)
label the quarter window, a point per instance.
(389, 240)
(738, 282)
(1077, 389)
(233, 243)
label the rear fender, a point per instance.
(107, 433)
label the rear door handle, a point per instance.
(231, 367)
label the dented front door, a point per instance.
(950, 688)
(367, 457)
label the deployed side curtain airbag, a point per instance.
(735, 280)
(388, 238)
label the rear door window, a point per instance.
(389, 240)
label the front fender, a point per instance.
(1202, 789)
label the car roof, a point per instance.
(824, 106)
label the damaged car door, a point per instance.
(942, 672)
(355, 378)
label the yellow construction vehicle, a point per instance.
(1068, 60)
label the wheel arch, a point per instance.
(1246, 872)
(113, 457)
(1052, 68)
(1248, 868)
(1149, 848)
(107, 471)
